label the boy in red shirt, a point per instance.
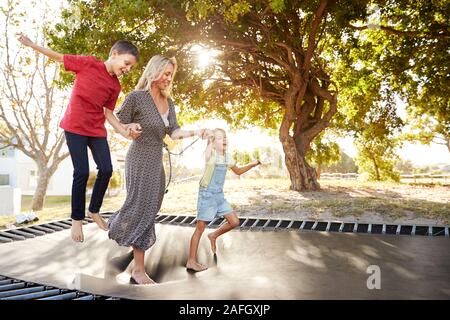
(94, 95)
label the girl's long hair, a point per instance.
(154, 71)
(211, 140)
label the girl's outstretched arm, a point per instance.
(48, 52)
(244, 169)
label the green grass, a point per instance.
(50, 202)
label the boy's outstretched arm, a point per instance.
(48, 52)
(244, 169)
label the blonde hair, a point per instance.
(154, 71)
(213, 138)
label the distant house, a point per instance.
(20, 171)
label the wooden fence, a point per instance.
(407, 178)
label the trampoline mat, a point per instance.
(253, 265)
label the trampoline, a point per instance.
(261, 259)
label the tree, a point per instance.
(323, 153)
(402, 47)
(376, 158)
(269, 61)
(280, 63)
(426, 129)
(30, 108)
(405, 166)
(345, 164)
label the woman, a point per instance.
(149, 105)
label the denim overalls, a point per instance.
(211, 200)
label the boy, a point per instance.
(93, 98)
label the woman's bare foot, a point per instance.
(98, 219)
(76, 231)
(141, 277)
(212, 238)
(195, 266)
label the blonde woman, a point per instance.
(149, 105)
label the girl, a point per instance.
(211, 201)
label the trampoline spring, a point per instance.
(278, 225)
(243, 223)
(165, 219)
(254, 224)
(302, 225)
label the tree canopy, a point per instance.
(296, 66)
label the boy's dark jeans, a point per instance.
(78, 152)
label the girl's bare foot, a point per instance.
(195, 266)
(101, 223)
(76, 231)
(212, 238)
(141, 277)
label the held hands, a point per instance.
(132, 131)
(24, 40)
(205, 133)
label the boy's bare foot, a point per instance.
(195, 266)
(76, 231)
(213, 242)
(101, 223)
(141, 278)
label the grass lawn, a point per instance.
(50, 202)
(342, 200)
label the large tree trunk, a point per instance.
(45, 173)
(303, 176)
(37, 203)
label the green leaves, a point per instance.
(375, 52)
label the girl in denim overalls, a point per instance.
(211, 200)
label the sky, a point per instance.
(418, 154)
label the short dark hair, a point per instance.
(123, 47)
